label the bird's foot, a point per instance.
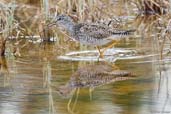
(101, 55)
(115, 67)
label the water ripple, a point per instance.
(110, 55)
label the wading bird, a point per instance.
(90, 33)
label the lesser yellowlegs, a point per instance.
(90, 33)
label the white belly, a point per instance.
(94, 42)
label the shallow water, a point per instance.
(29, 84)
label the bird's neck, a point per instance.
(69, 27)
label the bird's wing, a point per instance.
(94, 30)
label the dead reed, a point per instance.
(6, 24)
(151, 7)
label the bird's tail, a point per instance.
(119, 34)
(123, 32)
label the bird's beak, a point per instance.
(52, 21)
(52, 24)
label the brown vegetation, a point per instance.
(2, 45)
(152, 7)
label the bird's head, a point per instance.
(62, 21)
(65, 91)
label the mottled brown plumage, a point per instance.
(98, 31)
(90, 33)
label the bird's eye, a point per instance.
(59, 18)
(61, 92)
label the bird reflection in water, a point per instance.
(91, 76)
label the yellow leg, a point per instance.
(111, 45)
(115, 67)
(100, 52)
(112, 65)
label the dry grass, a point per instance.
(6, 24)
(151, 7)
(91, 10)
